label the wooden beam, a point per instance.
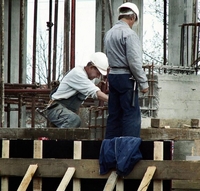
(149, 134)
(158, 155)
(5, 154)
(27, 177)
(186, 184)
(51, 133)
(111, 182)
(77, 155)
(37, 153)
(89, 168)
(147, 178)
(66, 179)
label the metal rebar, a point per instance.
(73, 19)
(2, 63)
(49, 25)
(55, 40)
(34, 40)
(165, 34)
(103, 24)
(66, 37)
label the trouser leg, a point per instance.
(63, 117)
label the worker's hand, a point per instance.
(145, 90)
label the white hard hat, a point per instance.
(131, 6)
(100, 60)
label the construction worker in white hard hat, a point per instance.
(126, 75)
(75, 87)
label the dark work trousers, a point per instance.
(64, 113)
(123, 118)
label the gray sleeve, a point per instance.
(134, 59)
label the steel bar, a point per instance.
(103, 24)
(2, 63)
(21, 56)
(35, 17)
(110, 13)
(13, 91)
(15, 85)
(49, 25)
(66, 37)
(21, 41)
(10, 53)
(165, 34)
(73, 24)
(55, 40)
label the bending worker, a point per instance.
(74, 88)
(126, 75)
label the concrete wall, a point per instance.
(178, 96)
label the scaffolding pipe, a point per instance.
(55, 40)
(110, 13)
(10, 53)
(49, 25)
(66, 37)
(73, 17)
(103, 25)
(2, 63)
(21, 56)
(35, 16)
(165, 33)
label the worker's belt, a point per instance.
(52, 103)
(117, 67)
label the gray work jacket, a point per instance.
(122, 47)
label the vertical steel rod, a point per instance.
(21, 56)
(73, 24)
(165, 34)
(35, 16)
(49, 49)
(66, 37)
(2, 63)
(55, 40)
(8, 80)
(103, 24)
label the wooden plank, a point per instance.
(51, 133)
(77, 155)
(27, 177)
(111, 182)
(172, 123)
(5, 154)
(147, 178)
(178, 134)
(89, 168)
(37, 153)
(186, 184)
(66, 179)
(158, 155)
(120, 185)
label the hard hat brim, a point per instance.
(103, 72)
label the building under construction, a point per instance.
(37, 156)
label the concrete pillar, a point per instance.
(180, 12)
(12, 52)
(100, 30)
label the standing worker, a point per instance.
(74, 88)
(126, 75)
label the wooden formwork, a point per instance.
(74, 170)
